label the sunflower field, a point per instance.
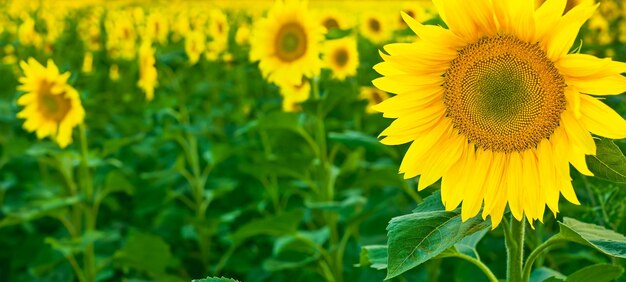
(293, 140)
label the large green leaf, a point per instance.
(374, 256)
(355, 139)
(467, 246)
(282, 224)
(596, 273)
(145, 252)
(416, 238)
(598, 237)
(543, 274)
(609, 162)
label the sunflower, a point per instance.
(497, 107)
(195, 44)
(147, 70)
(342, 57)
(157, 28)
(218, 31)
(114, 72)
(294, 94)
(51, 106)
(373, 96)
(332, 19)
(375, 28)
(286, 43)
(87, 63)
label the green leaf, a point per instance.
(116, 182)
(355, 139)
(282, 224)
(543, 274)
(596, 273)
(468, 244)
(39, 209)
(609, 162)
(606, 241)
(215, 279)
(416, 238)
(145, 252)
(374, 256)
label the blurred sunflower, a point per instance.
(375, 28)
(341, 56)
(52, 107)
(157, 27)
(87, 63)
(294, 94)
(333, 19)
(374, 96)
(242, 37)
(147, 70)
(195, 44)
(218, 32)
(287, 43)
(496, 107)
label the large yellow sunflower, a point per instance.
(51, 106)
(287, 43)
(342, 57)
(497, 107)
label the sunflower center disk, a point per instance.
(504, 94)
(291, 42)
(54, 107)
(341, 57)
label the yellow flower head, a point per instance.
(375, 27)
(497, 107)
(333, 19)
(242, 37)
(195, 44)
(88, 63)
(147, 70)
(157, 27)
(287, 43)
(51, 106)
(218, 31)
(294, 94)
(114, 72)
(374, 96)
(342, 57)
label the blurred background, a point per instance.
(222, 173)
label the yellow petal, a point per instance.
(514, 181)
(547, 173)
(600, 119)
(547, 16)
(435, 164)
(475, 185)
(559, 41)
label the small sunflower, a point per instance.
(195, 45)
(87, 63)
(374, 96)
(294, 94)
(375, 28)
(287, 43)
(342, 57)
(497, 107)
(52, 107)
(218, 32)
(147, 70)
(333, 19)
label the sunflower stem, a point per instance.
(89, 210)
(515, 250)
(538, 251)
